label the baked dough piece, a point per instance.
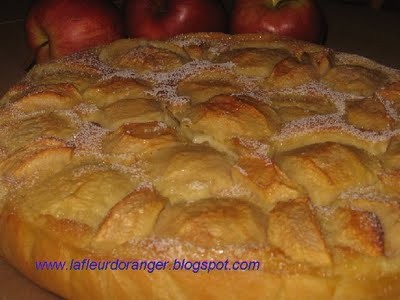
(143, 56)
(205, 147)
(326, 170)
(253, 61)
(110, 90)
(204, 84)
(354, 80)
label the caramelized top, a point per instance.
(247, 146)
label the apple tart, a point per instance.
(209, 148)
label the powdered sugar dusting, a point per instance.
(174, 248)
(89, 59)
(318, 89)
(236, 191)
(241, 170)
(167, 247)
(167, 93)
(132, 170)
(165, 83)
(183, 43)
(198, 185)
(145, 185)
(367, 192)
(86, 108)
(124, 73)
(258, 149)
(389, 108)
(174, 77)
(353, 59)
(88, 138)
(332, 122)
(87, 141)
(212, 48)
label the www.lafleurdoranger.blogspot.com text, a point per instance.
(150, 266)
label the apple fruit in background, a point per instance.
(55, 28)
(160, 19)
(299, 19)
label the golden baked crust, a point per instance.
(205, 147)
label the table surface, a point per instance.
(354, 29)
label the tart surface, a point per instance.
(206, 147)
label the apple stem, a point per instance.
(275, 3)
(30, 63)
(43, 44)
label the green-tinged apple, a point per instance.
(55, 28)
(160, 19)
(300, 19)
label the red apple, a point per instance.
(158, 19)
(300, 19)
(56, 28)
